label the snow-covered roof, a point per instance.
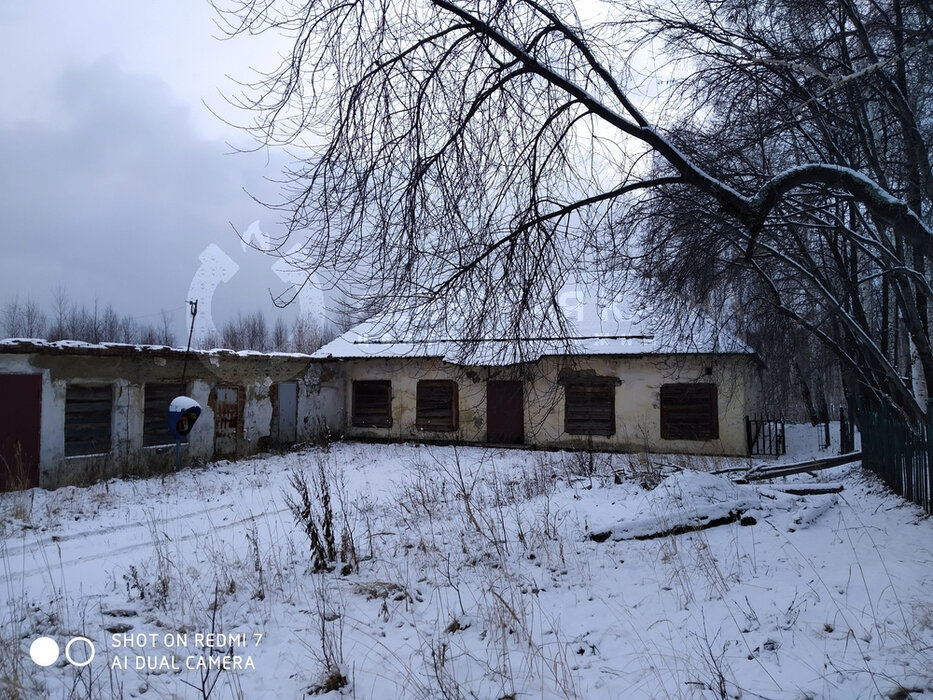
(80, 347)
(593, 329)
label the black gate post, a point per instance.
(929, 439)
(846, 437)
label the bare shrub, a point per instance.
(311, 507)
(329, 612)
(302, 506)
(588, 465)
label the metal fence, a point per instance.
(899, 452)
(765, 436)
(824, 432)
(824, 437)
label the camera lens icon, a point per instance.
(44, 651)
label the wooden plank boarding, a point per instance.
(436, 405)
(88, 419)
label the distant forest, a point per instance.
(64, 320)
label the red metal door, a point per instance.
(20, 424)
(505, 417)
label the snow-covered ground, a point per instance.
(468, 573)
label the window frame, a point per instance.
(580, 395)
(79, 401)
(372, 418)
(447, 421)
(155, 427)
(689, 411)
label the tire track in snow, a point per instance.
(106, 530)
(108, 553)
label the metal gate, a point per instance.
(765, 436)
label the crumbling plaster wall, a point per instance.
(127, 370)
(637, 399)
(322, 402)
(405, 375)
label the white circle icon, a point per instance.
(44, 651)
(91, 651)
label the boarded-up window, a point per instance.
(156, 401)
(88, 411)
(590, 408)
(372, 404)
(689, 412)
(437, 405)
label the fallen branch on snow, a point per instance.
(631, 531)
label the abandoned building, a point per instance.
(74, 412)
(615, 381)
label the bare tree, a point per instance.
(35, 322)
(166, 335)
(23, 319)
(309, 334)
(279, 339)
(12, 318)
(251, 332)
(155, 334)
(780, 85)
(111, 325)
(210, 341)
(468, 158)
(149, 335)
(247, 332)
(69, 321)
(60, 309)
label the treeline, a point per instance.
(64, 320)
(25, 318)
(252, 331)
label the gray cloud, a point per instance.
(116, 197)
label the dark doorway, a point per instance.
(505, 418)
(20, 421)
(286, 412)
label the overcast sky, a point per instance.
(114, 176)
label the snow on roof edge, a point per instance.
(40, 344)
